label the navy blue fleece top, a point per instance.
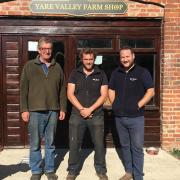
(129, 88)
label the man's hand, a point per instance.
(86, 113)
(25, 116)
(62, 115)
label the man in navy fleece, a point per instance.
(130, 89)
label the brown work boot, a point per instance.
(36, 177)
(71, 177)
(127, 176)
(102, 176)
(51, 176)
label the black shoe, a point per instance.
(51, 176)
(71, 177)
(102, 176)
(36, 177)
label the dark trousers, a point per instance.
(77, 127)
(131, 136)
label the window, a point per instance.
(147, 61)
(137, 43)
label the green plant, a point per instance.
(176, 153)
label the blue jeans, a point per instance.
(42, 124)
(131, 136)
(77, 127)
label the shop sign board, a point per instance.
(78, 7)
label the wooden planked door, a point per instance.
(11, 56)
(1, 102)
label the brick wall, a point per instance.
(170, 76)
(15, 7)
(170, 58)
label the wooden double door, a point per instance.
(19, 45)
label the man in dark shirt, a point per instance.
(130, 89)
(87, 91)
(42, 102)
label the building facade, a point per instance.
(151, 27)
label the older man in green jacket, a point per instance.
(42, 102)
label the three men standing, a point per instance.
(130, 89)
(42, 102)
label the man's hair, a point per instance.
(87, 51)
(45, 40)
(127, 48)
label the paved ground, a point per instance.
(14, 165)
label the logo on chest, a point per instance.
(133, 79)
(95, 79)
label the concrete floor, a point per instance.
(14, 165)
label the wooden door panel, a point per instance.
(13, 126)
(1, 102)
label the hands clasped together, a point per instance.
(86, 113)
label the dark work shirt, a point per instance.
(87, 88)
(129, 88)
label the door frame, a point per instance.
(71, 28)
(1, 97)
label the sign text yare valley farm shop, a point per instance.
(78, 7)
